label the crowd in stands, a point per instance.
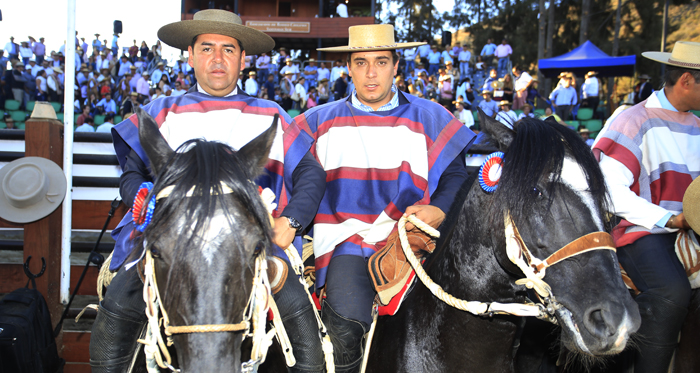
(109, 84)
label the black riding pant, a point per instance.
(348, 288)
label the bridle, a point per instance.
(252, 324)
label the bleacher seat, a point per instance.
(292, 113)
(593, 125)
(56, 106)
(539, 112)
(11, 105)
(18, 115)
(584, 113)
(118, 119)
(19, 125)
(59, 116)
(30, 106)
(99, 119)
(696, 112)
(3, 125)
(476, 116)
(518, 112)
(573, 124)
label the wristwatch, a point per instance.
(294, 223)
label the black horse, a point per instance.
(208, 228)
(555, 193)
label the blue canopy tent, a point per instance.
(587, 57)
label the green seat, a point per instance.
(3, 125)
(18, 116)
(292, 113)
(11, 105)
(118, 119)
(593, 125)
(59, 116)
(99, 119)
(696, 112)
(19, 125)
(476, 116)
(584, 113)
(30, 106)
(518, 112)
(539, 113)
(56, 106)
(572, 123)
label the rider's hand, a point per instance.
(678, 222)
(429, 214)
(283, 233)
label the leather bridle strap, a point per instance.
(584, 244)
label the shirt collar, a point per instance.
(233, 93)
(392, 104)
(663, 100)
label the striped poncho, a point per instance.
(377, 164)
(650, 156)
(234, 120)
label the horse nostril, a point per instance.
(597, 322)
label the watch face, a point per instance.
(294, 223)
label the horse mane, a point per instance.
(538, 150)
(204, 166)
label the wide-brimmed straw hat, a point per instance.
(591, 73)
(30, 188)
(366, 38)
(504, 102)
(213, 21)
(691, 204)
(684, 54)
(486, 92)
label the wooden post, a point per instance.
(42, 238)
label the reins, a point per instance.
(520, 255)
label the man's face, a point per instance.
(373, 74)
(217, 61)
(108, 97)
(487, 97)
(493, 74)
(567, 82)
(323, 65)
(516, 72)
(489, 41)
(503, 41)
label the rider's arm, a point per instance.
(309, 184)
(450, 181)
(135, 173)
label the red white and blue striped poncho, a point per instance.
(234, 120)
(377, 164)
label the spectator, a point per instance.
(488, 86)
(123, 67)
(522, 83)
(506, 116)
(12, 49)
(340, 85)
(409, 54)
(158, 73)
(446, 90)
(299, 97)
(463, 114)
(115, 44)
(312, 98)
(533, 93)
(548, 113)
(341, 10)
(424, 51)
(420, 69)
(83, 46)
(179, 90)
(400, 83)
(262, 64)
(130, 103)
(25, 52)
(585, 134)
(91, 103)
(15, 81)
(323, 91)
(434, 60)
(164, 85)
(142, 86)
(527, 112)
(87, 125)
(446, 56)
(503, 52)
(39, 49)
(85, 113)
(269, 86)
(323, 72)
(290, 67)
(107, 105)
(143, 50)
(3, 63)
(33, 68)
(251, 84)
(9, 122)
(29, 86)
(96, 44)
(310, 73)
(133, 52)
(464, 58)
(488, 106)
(645, 89)
(42, 93)
(287, 90)
(106, 127)
(590, 91)
(508, 88)
(452, 71)
(487, 52)
(563, 98)
(157, 93)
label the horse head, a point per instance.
(554, 193)
(208, 227)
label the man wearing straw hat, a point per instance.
(216, 110)
(648, 155)
(385, 154)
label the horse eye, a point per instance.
(155, 252)
(260, 246)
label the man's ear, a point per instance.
(189, 58)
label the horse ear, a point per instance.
(501, 134)
(152, 141)
(255, 153)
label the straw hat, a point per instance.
(58, 70)
(252, 73)
(685, 54)
(32, 188)
(214, 21)
(371, 38)
(591, 73)
(691, 204)
(486, 92)
(497, 84)
(503, 103)
(584, 130)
